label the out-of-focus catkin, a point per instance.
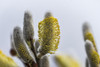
(87, 33)
(48, 33)
(92, 55)
(6, 61)
(66, 61)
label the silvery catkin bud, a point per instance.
(28, 30)
(87, 33)
(37, 44)
(20, 46)
(92, 55)
(44, 61)
(48, 32)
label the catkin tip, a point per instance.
(48, 14)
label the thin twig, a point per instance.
(35, 54)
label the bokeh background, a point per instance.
(71, 14)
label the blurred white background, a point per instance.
(71, 14)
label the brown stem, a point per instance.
(34, 64)
(31, 64)
(35, 54)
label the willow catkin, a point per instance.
(87, 33)
(66, 61)
(28, 30)
(93, 56)
(48, 33)
(20, 46)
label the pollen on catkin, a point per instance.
(48, 33)
(89, 36)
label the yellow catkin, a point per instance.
(48, 33)
(89, 36)
(66, 61)
(93, 56)
(6, 61)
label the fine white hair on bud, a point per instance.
(28, 17)
(89, 45)
(20, 46)
(28, 31)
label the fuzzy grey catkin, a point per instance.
(44, 61)
(93, 56)
(86, 28)
(20, 46)
(28, 30)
